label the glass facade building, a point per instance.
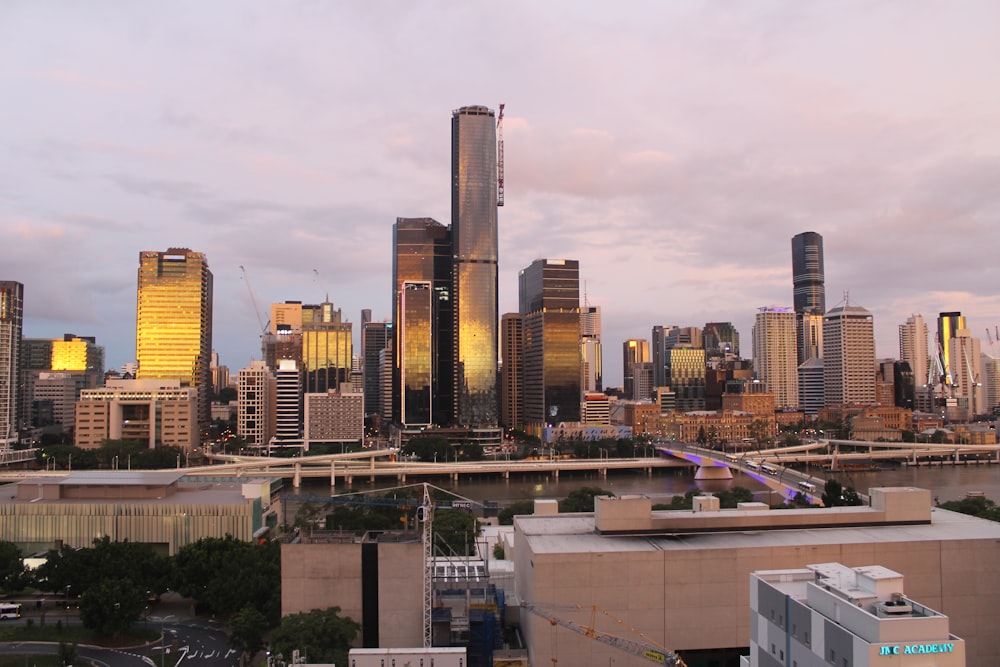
(549, 303)
(949, 325)
(808, 292)
(422, 254)
(327, 348)
(173, 332)
(416, 308)
(11, 322)
(474, 229)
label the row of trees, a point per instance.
(112, 453)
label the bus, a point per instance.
(770, 470)
(752, 465)
(9, 610)
(807, 487)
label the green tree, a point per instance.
(833, 493)
(702, 437)
(12, 571)
(790, 440)
(111, 606)
(429, 449)
(507, 514)
(323, 636)
(582, 500)
(852, 497)
(246, 630)
(759, 432)
(81, 569)
(730, 498)
(455, 530)
(471, 452)
(67, 654)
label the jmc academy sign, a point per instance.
(913, 649)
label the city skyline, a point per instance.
(277, 153)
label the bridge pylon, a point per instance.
(713, 472)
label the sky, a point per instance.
(673, 148)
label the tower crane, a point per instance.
(646, 649)
(500, 157)
(253, 300)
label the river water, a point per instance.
(945, 482)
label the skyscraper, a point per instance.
(374, 339)
(256, 412)
(848, 356)
(913, 348)
(775, 356)
(591, 349)
(512, 371)
(660, 352)
(327, 348)
(634, 351)
(809, 293)
(421, 251)
(416, 348)
(549, 303)
(474, 230)
(948, 327)
(11, 314)
(173, 332)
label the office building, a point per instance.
(681, 578)
(288, 403)
(327, 349)
(72, 358)
(53, 401)
(830, 614)
(812, 396)
(658, 354)
(421, 250)
(991, 384)
(334, 418)
(721, 339)
(634, 351)
(374, 339)
(549, 304)
(809, 333)
(686, 377)
(173, 332)
(416, 353)
(591, 350)
(11, 322)
(775, 354)
(948, 326)
(512, 370)
(256, 389)
(964, 355)
(808, 288)
(913, 349)
(689, 337)
(157, 413)
(474, 252)
(848, 356)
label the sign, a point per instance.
(915, 649)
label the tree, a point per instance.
(790, 440)
(702, 437)
(833, 492)
(759, 432)
(12, 570)
(246, 630)
(67, 654)
(81, 569)
(112, 606)
(323, 636)
(456, 530)
(507, 514)
(429, 448)
(582, 500)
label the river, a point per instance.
(945, 482)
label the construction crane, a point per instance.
(646, 649)
(500, 157)
(253, 300)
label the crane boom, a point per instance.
(500, 157)
(644, 649)
(253, 300)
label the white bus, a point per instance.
(769, 469)
(9, 611)
(807, 487)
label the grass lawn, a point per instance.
(73, 634)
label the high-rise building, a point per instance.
(686, 377)
(808, 290)
(257, 393)
(721, 339)
(512, 370)
(658, 353)
(374, 338)
(416, 353)
(11, 322)
(964, 354)
(775, 354)
(77, 359)
(848, 356)
(913, 348)
(157, 413)
(991, 384)
(634, 351)
(173, 332)
(422, 254)
(288, 402)
(474, 230)
(591, 350)
(948, 327)
(327, 349)
(549, 303)
(812, 397)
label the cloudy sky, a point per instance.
(674, 148)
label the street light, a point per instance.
(66, 609)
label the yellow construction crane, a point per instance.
(647, 649)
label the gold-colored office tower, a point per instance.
(173, 331)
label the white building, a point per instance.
(831, 614)
(775, 354)
(255, 416)
(288, 421)
(849, 356)
(913, 348)
(158, 413)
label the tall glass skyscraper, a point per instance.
(808, 289)
(173, 330)
(416, 348)
(474, 230)
(949, 325)
(421, 250)
(11, 319)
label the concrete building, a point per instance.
(812, 395)
(173, 328)
(288, 405)
(158, 413)
(334, 417)
(11, 322)
(991, 383)
(72, 359)
(964, 353)
(634, 351)
(374, 338)
(913, 349)
(681, 578)
(848, 356)
(775, 355)
(831, 614)
(686, 377)
(257, 404)
(163, 508)
(658, 354)
(474, 264)
(590, 349)
(512, 370)
(596, 409)
(721, 339)
(54, 400)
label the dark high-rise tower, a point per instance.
(550, 305)
(11, 313)
(809, 291)
(421, 250)
(474, 232)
